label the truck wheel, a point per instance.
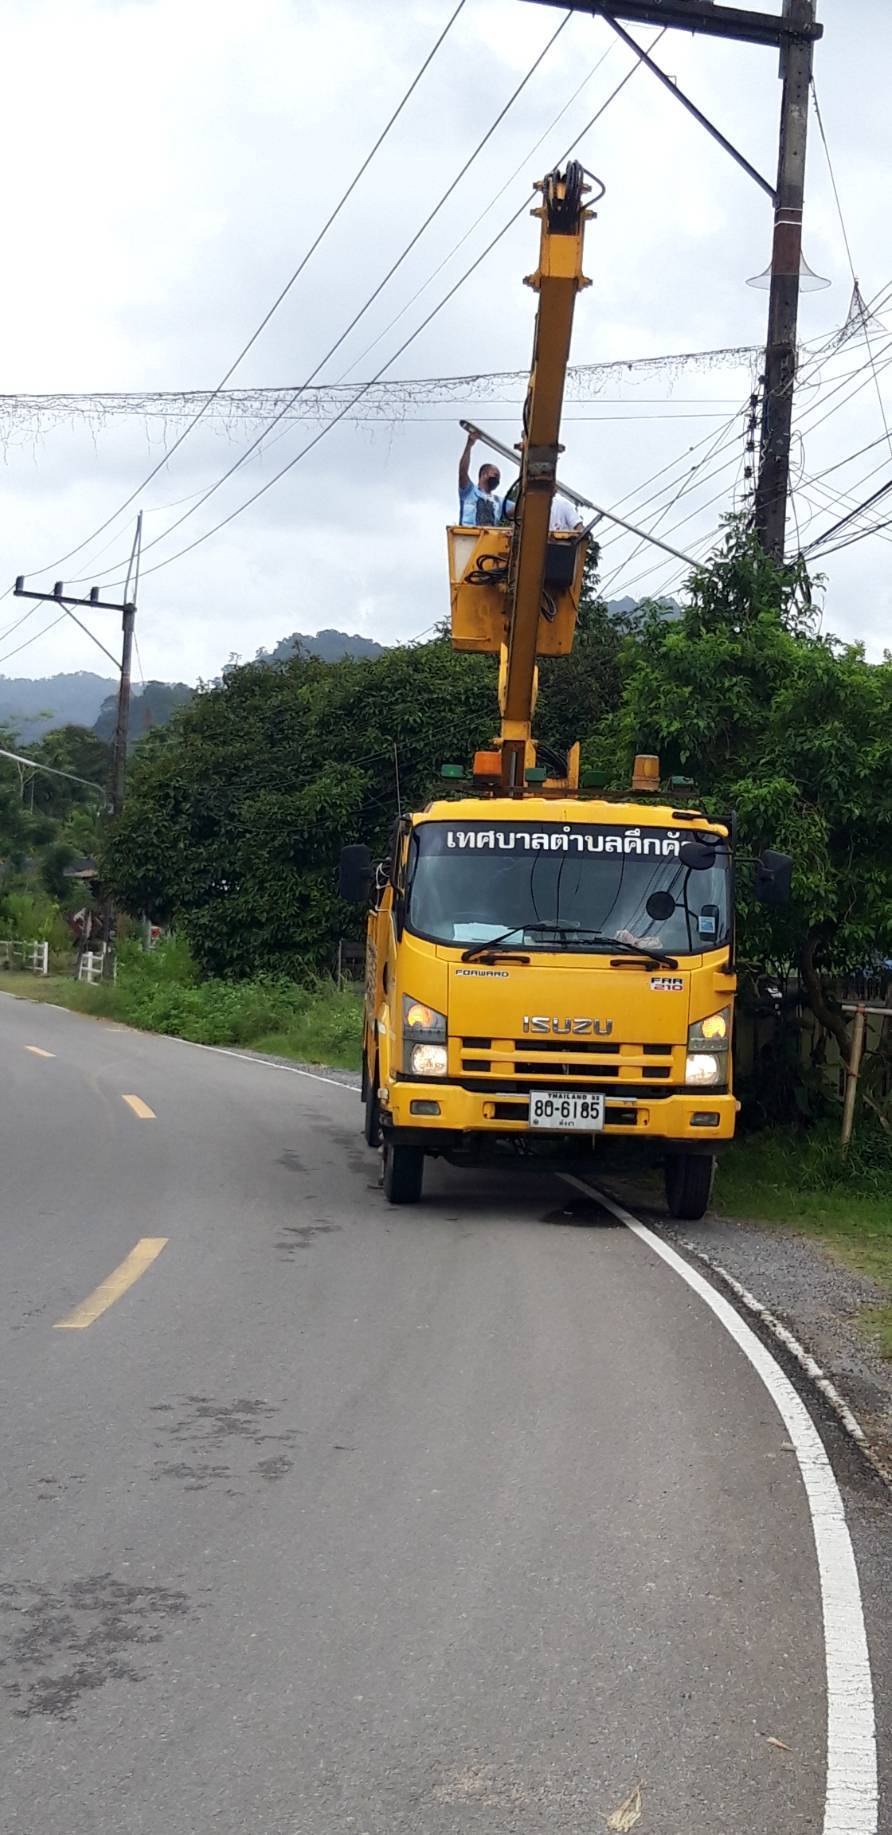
(689, 1179)
(372, 1124)
(403, 1174)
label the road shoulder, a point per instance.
(816, 1298)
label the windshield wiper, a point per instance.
(641, 949)
(595, 936)
(478, 951)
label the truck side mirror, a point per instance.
(355, 873)
(774, 876)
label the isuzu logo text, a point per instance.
(539, 1022)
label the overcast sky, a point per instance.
(169, 161)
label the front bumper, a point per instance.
(464, 1111)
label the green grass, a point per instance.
(803, 1183)
(35, 987)
(318, 1023)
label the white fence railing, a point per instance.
(91, 966)
(33, 956)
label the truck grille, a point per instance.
(554, 1061)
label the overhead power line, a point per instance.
(364, 387)
(844, 521)
(34, 638)
(523, 165)
(305, 258)
(848, 249)
(420, 231)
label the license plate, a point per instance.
(566, 1109)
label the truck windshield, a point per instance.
(472, 882)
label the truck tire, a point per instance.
(372, 1123)
(403, 1174)
(689, 1179)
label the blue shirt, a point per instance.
(478, 507)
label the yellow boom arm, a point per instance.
(557, 281)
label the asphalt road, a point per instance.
(342, 1520)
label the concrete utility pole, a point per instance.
(772, 490)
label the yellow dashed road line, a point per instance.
(39, 1052)
(140, 1108)
(140, 1258)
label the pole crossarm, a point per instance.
(59, 597)
(742, 23)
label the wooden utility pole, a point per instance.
(772, 490)
(58, 596)
(122, 719)
(795, 32)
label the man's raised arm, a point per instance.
(464, 464)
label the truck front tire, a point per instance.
(689, 1179)
(403, 1173)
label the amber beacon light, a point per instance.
(646, 772)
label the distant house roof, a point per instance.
(83, 869)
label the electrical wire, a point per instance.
(520, 167)
(443, 199)
(848, 249)
(865, 370)
(682, 489)
(362, 390)
(25, 615)
(835, 528)
(34, 638)
(305, 258)
(817, 356)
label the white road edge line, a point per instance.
(221, 1051)
(851, 1797)
(246, 1057)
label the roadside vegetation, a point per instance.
(161, 991)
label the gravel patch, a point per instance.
(816, 1297)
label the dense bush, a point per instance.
(160, 991)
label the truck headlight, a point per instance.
(422, 1022)
(708, 1043)
(428, 1060)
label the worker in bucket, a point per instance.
(478, 503)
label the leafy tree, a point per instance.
(791, 729)
(75, 749)
(236, 814)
